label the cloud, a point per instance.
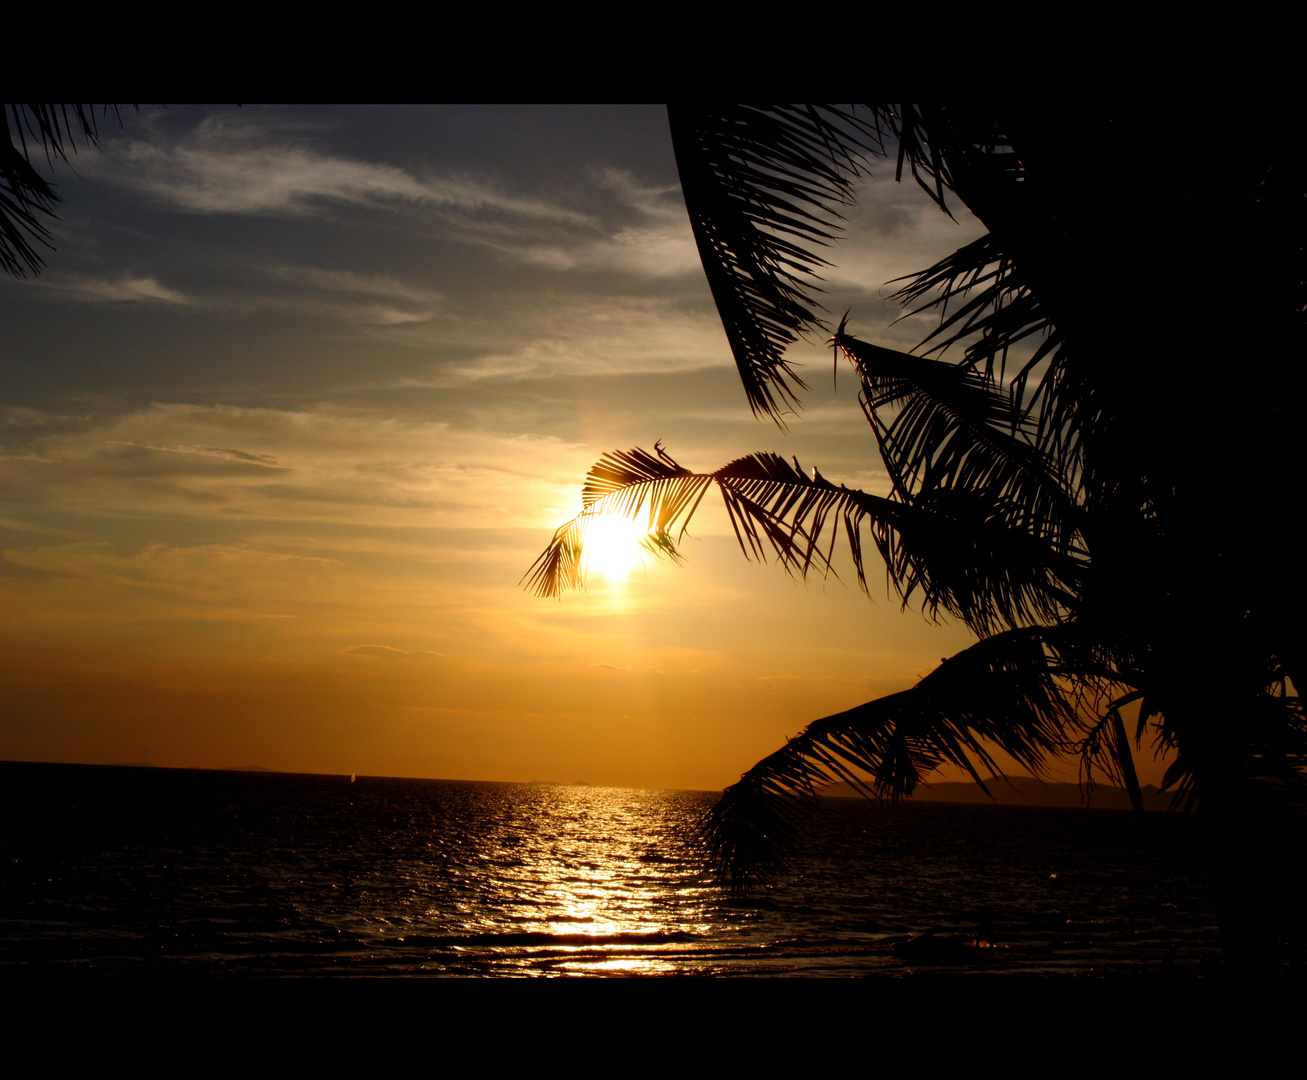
(198, 570)
(323, 464)
(658, 244)
(894, 230)
(366, 301)
(564, 335)
(266, 461)
(386, 652)
(661, 201)
(345, 281)
(656, 251)
(120, 290)
(235, 165)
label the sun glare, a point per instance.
(613, 547)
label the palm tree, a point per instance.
(26, 197)
(1091, 513)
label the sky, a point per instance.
(302, 394)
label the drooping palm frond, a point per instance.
(622, 483)
(1001, 692)
(1267, 759)
(952, 428)
(955, 552)
(983, 303)
(26, 197)
(763, 185)
(773, 508)
(951, 549)
(906, 126)
(977, 152)
(987, 306)
(1106, 746)
(1050, 246)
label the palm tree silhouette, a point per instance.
(1114, 516)
(27, 199)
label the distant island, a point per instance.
(1023, 791)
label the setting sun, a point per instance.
(612, 547)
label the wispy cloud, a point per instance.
(265, 461)
(894, 230)
(386, 652)
(114, 291)
(658, 243)
(345, 281)
(236, 165)
(565, 335)
(651, 251)
(205, 568)
(228, 464)
(363, 301)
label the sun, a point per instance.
(612, 546)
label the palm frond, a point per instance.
(1000, 692)
(953, 428)
(26, 197)
(985, 304)
(1106, 745)
(772, 506)
(1019, 169)
(763, 185)
(621, 483)
(963, 150)
(1180, 776)
(981, 300)
(951, 549)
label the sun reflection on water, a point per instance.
(597, 870)
(460, 878)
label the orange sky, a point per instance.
(303, 393)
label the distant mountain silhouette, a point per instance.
(1022, 791)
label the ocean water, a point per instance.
(108, 870)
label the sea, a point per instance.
(109, 870)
